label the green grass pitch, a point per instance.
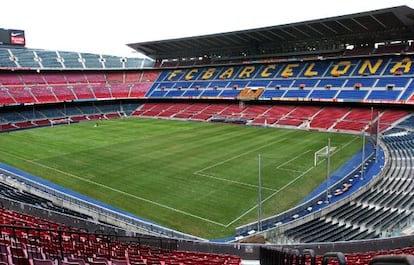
(196, 177)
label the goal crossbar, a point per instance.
(323, 152)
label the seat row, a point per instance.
(309, 117)
(385, 209)
(50, 59)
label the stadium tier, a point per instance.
(383, 79)
(53, 243)
(370, 79)
(377, 209)
(30, 240)
(37, 59)
(325, 118)
(347, 85)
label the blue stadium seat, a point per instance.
(384, 94)
(219, 84)
(296, 93)
(308, 83)
(192, 93)
(174, 93)
(352, 94)
(281, 83)
(5, 60)
(363, 81)
(268, 94)
(211, 93)
(395, 81)
(110, 61)
(70, 60)
(92, 61)
(229, 93)
(408, 91)
(258, 83)
(323, 94)
(49, 59)
(238, 84)
(182, 85)
(158, 94)
(199, 84)
(318, 68)
(395, 61)
(25, 58)
(332, 82)
(134, 63)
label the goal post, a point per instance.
(59, 121)
(322, 153)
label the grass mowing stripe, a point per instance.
(116, 190)
(232, 181)
(156, 160)
(270, 196)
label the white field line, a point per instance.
(291, 170)
(200, 172)
(271, 195)
(197, 173)
(285, 186)
(232, 181)
(237, 156)
(338, 149)
(118, 191)
(290, 160)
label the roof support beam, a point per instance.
(301, 31)
(262, 33)
(288, 33)
(342, 25)
(314, 29)
(356, 21)
(331, 29)
(379, 22)
(276, 35)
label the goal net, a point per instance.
(59, 121)
(322, 153)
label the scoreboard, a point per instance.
(12, 37)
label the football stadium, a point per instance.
(288, 144)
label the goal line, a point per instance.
(323, 152)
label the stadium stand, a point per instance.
(30, 240)
(24, 58)
(24, 197)
(58, 87)
(333, 80)
(48, 59)
(63, 114)
(93, 61)
(112, 61)
(287, 85)
(383, 209)
(43, 59)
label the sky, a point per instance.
(106, 26)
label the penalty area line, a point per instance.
(287, 185)
(290, 160)
(239, 155)
(271, 195)
(231, 181)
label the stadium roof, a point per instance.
(328, 34)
